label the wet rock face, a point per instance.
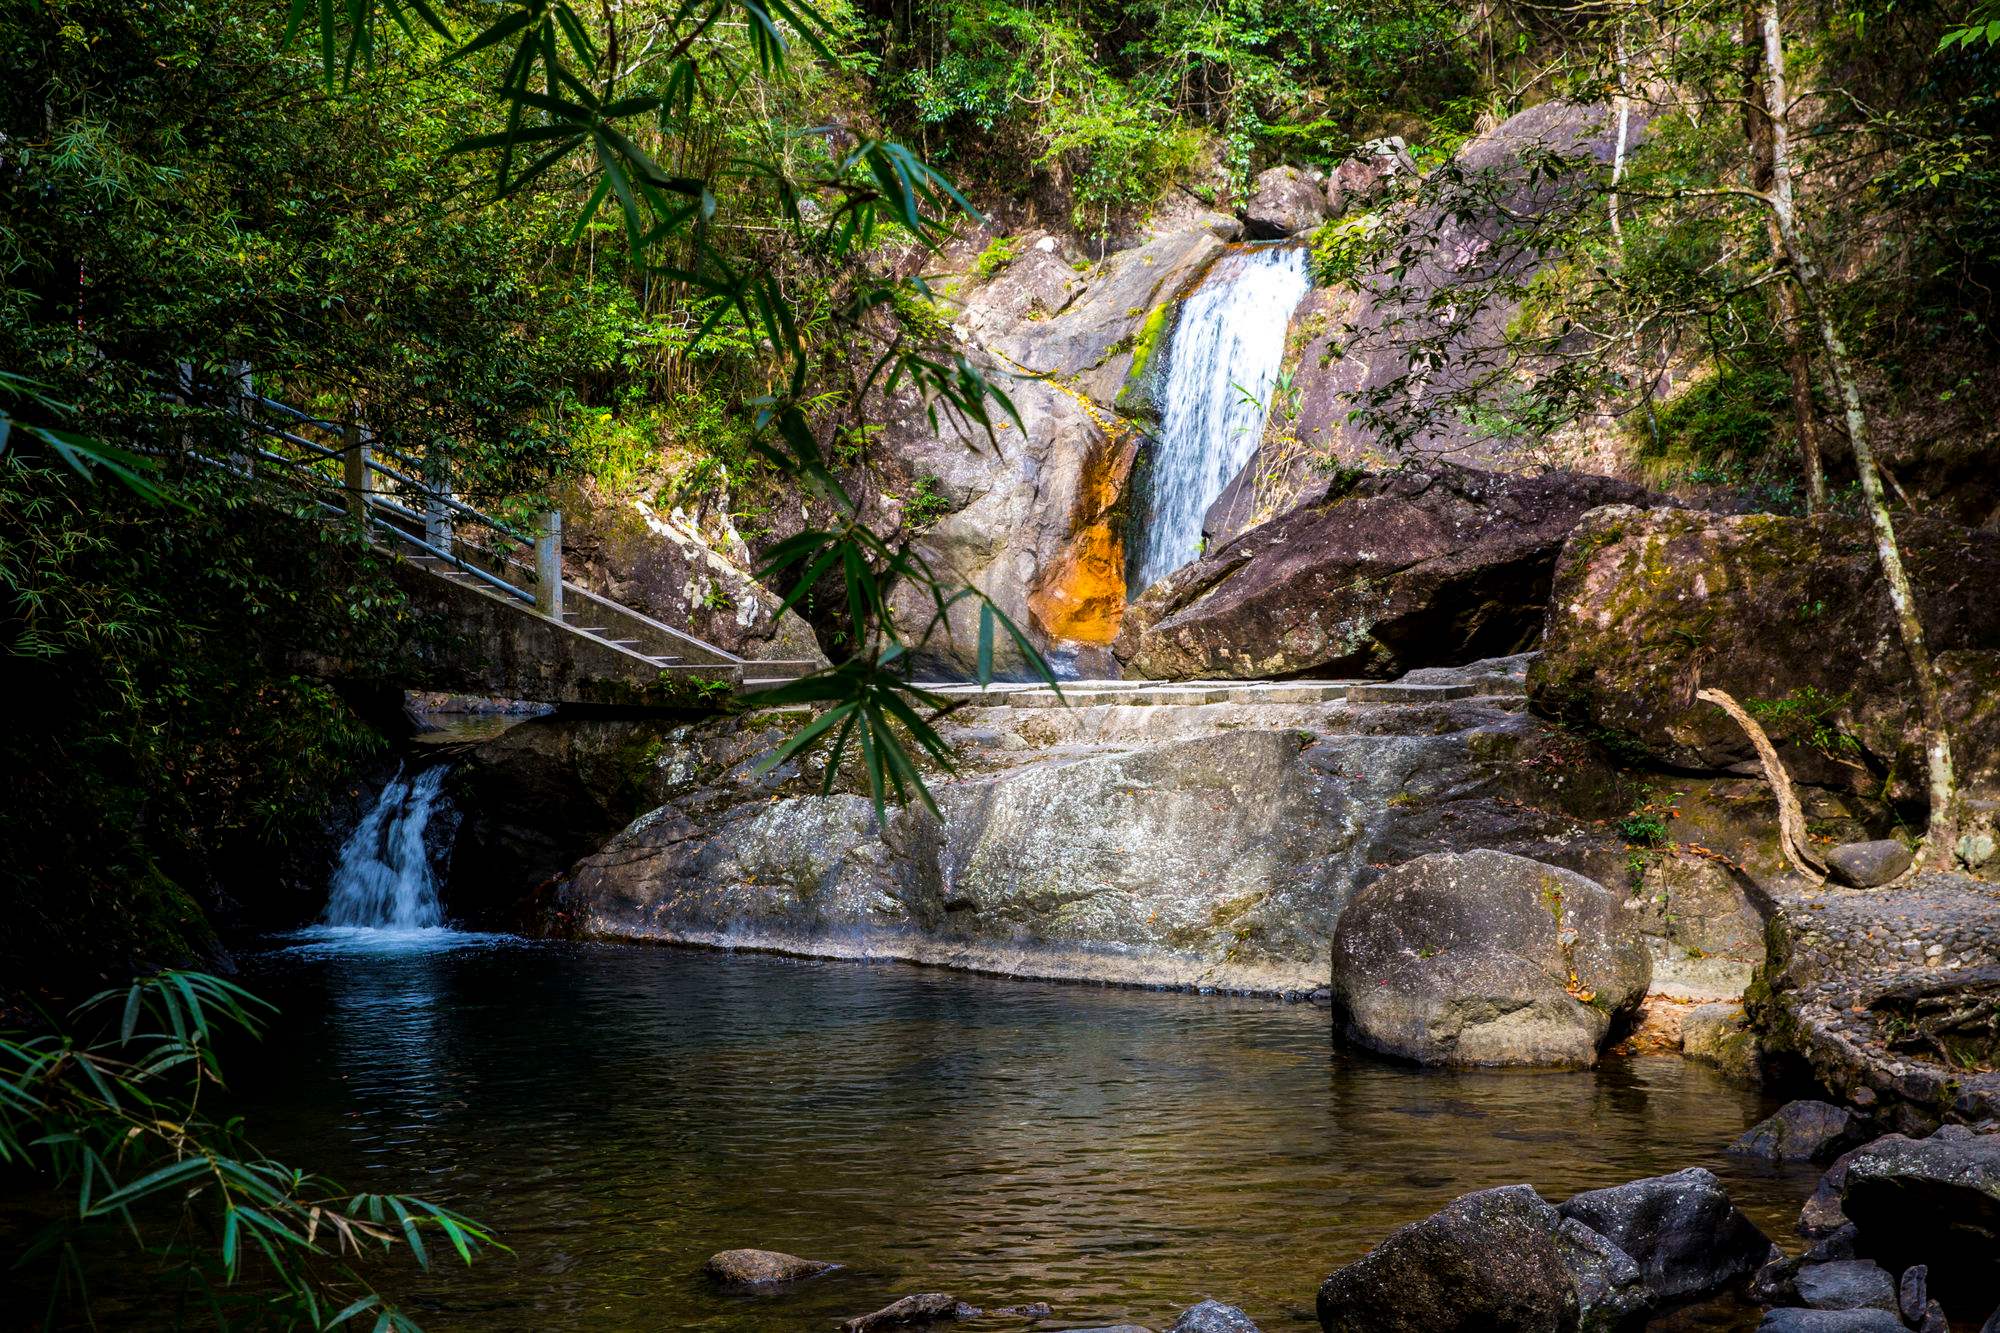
(1283, 201)
(1790, 616)
(1483, 958)
(534, 799)
(1373, 577)
(1032, 516)
(1485, 1263)
(1682, 1230)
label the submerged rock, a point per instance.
(1370, 577)
(762, 1268)
(919, 1311)
(1484, 1263)
(1802, 1131)
(1212, 1316)
(1867, 865)
(1483, 958)
(1682, 1230)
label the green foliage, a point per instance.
(1343, 247)
(1643, 828)
(1731, 417)
(925, 504)
(997, 255)
(108, 1115)
(1809, 716)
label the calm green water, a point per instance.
(621, 1113)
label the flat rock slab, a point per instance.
(1846, 1284)
(1831, 1321)
(919, 1311)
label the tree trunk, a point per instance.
(1624, 101)
(1942, 835)
(1761, 127)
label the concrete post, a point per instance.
(548, 566)
(437, 517)
(354, 471)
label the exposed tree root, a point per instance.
(1791, 819)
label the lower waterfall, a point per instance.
(1222, 362)
(384, 878)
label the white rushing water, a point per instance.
(384, 879)
(1221, 365)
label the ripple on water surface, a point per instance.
(621, 1113)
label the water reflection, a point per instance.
(622, 1113)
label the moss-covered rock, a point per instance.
(1789, 615)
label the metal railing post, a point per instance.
(548, 566)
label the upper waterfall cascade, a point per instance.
(384, 878)
(1222, 363)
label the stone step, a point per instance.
(1397, 692)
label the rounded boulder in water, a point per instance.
(751, 1269)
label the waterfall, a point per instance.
(1221, 364)
(384, 879)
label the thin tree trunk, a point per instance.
(1624, 101)
(1942, 834)
(1761, 127)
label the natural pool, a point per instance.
(619, 1113)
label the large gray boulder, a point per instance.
(1371, 577)
(1410, 335)
(1934, 1201)
(1283, 201)
(1484, 1263)
(1682, 1230)
(1485, 958)
(1869, 865)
